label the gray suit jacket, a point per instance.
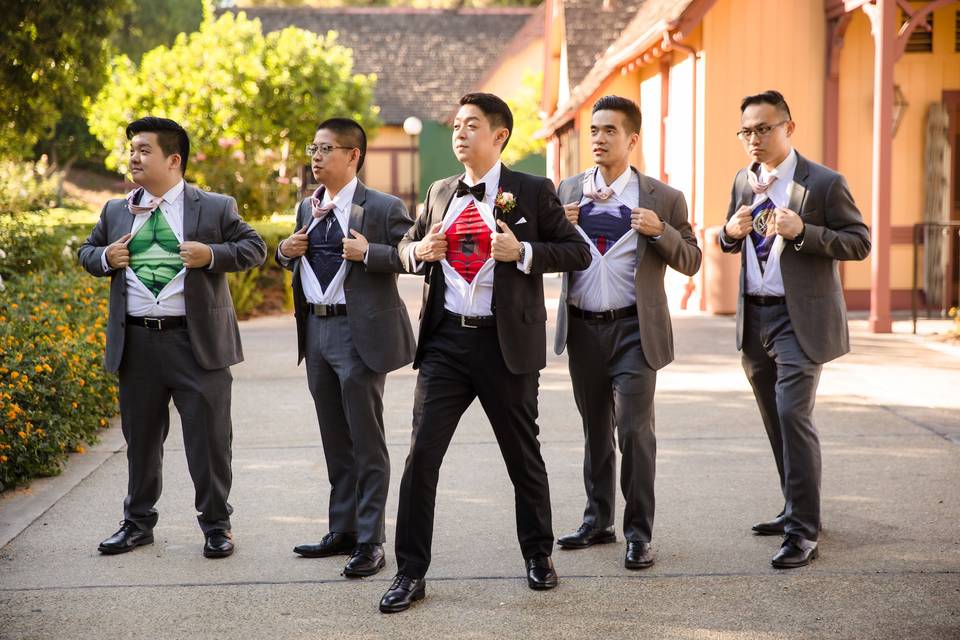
(209, 218)
(379, 322)
(834, 230)
(677, 248)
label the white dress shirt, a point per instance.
(170, 301)
(608, 283)
(475, 298)
(769, 280)
(312, 291)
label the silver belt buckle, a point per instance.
(463, 323)
(153, 323)
(320, 310)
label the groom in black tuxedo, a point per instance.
(483, 241)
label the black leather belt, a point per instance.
(325, 310)
(158, 324)
(472, 322)
(603, 316)
(766, 301)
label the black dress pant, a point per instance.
(458, 365)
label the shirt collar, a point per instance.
(491, 179)
(618, 185)
(344, 197)
(170, 197)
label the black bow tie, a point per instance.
(476, 190)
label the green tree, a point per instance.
(151, 23)
(53, 55)
(526, 120)
(250, 103)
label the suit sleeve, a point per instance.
(728, 244)
(91, 251)
(282, 260)
(678, 244)
(385, 258)
(560, 247)
(415, 234)
(242, 247)
(845, 236)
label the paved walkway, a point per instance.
(889, 416)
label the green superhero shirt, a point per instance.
(155, 253)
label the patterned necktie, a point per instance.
(139, 209)
(753, 176)
(468, 241)
(325, 245)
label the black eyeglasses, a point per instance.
(762, 130)
(324, 149)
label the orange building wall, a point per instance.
(922, 78)
(738, 63)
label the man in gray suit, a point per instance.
(791, 220)
(614, 317)
(172, 330)
(352, 328)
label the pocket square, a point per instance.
(521, 221)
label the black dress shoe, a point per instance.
(639, 555)
(126, 539)
(219, 544)
(332, 544)
(540, 573)
(794, 552)
(771, 528)
(402, 593)
(586, 536)
(367, 560)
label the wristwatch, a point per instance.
(523, 252)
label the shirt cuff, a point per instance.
(527, 258)
(212, 256)
(103, 262)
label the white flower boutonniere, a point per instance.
(505, 201)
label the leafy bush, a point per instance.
(54, 392)
(26, 186)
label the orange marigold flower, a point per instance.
(80, 449)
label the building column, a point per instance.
(885, 41)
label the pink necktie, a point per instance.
(140, 209)
(755, 184)
(602, 194)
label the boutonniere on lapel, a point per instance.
(503, 204)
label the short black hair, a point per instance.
(625, 106)
(771, 97)
(171, 137)
(348, 133)
(497, 112)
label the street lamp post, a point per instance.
(412, 126)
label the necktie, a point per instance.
(477, 190)
(754, 179)
(602, 194)
(325, 250)
(139, 209)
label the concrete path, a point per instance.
(889, 417)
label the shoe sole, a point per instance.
(397, 609)
(598, 540)
(638, 565)
(797, 565)
(217, 554)
(345, 552)
(113, 551)
(540, 586)
(368, 573)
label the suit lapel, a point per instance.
(191, 211)
(647, 200)
(508, 183)
(798, 188)
(356, 210)
(443, 198)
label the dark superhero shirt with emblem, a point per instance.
(604, 223)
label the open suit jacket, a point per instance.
(517, 297)
(210, 218)
(677, 248)
(834, 230)
(379, 323)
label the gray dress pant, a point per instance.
(614, 387)
(158, 366)
(348, 397)
(784, 382)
